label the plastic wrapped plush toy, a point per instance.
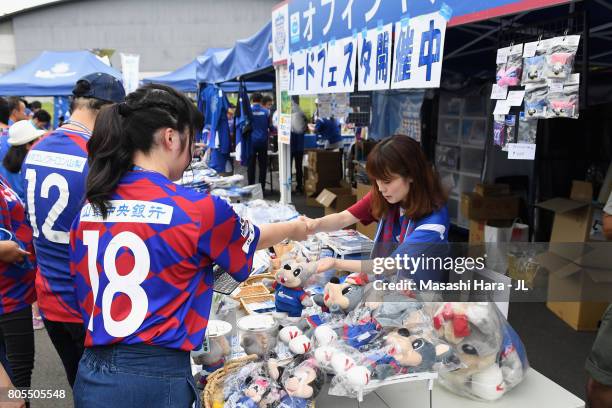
(560, 57)
(493, 356)
(302, 381)
(290, 296)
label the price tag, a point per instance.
(501, 108)
(530, 49)
(499, 92)
(555, 86)
(515, 98)
(502, 55)
(521, 151)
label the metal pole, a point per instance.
(284, 155)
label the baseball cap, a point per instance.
(23, 132)
(99, 85)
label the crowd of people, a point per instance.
(119, 259)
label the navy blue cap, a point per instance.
(100, 85)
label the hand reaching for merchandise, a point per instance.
(300, 230)
(311, 224)
(325, 264)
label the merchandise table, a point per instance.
(536, 391)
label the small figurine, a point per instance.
(290, 296)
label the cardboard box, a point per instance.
(337, 199)
(576, 273)
(476, 207)
(489, 190)
(477, 232)
(317, 158)
(311, 200)
(367, 230)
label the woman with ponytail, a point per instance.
(407, 201)
(142, 254)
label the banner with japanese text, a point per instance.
(418, 52)
(374, 64)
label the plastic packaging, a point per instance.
(509, 131)
(258, 334)
(534, 66)
(527, 130)
(216, 347)
(499, 124)
(302, 381)
(560, 57)
(493, 357)
(536, 102)
(509, 72)
(563, 101)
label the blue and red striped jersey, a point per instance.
(55, 171)
(16, 280)
(144, 274)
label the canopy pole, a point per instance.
(284, 154)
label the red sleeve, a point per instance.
(362, 210)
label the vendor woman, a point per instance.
(407, 201)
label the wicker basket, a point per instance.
(258, 278)
(215, 381)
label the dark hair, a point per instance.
(266, 99)
(5, 112)
(84, 102)
(35, 105)
(257, 97)
(42, 116)
(122, 129)
(14, 103)
(14, 158)
(401, 155)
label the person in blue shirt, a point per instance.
(329, 129)
(17, 110)
(262, 126)
(22, 136)
(298, 129)
(409, 204)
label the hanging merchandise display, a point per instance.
(509, 131)
(527, 130)
(499, 124)
(563, 99)
(536, 104)
(534, 61)
(509, 65)
(560, 57)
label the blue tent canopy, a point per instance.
(52, 74)
(248, 57)
(184, 78)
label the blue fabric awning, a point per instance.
(247, 57)
(52, 74)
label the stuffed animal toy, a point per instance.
(290, 296)
(253, 394)
(405, 354)
(302, 381)
(493, 356)
(340, 297)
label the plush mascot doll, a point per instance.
(493, 356)
(290, 296)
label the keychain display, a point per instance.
(563, 102)
(560, 57)
(509, 131)
(527, 129)
(509, 72)
(499, 124)
(536, 102)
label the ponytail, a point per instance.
(122, 129)
(110, 157)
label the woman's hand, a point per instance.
(325, 264)
(299, 230)
(311, 224)
(11, 252)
